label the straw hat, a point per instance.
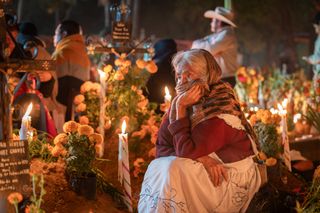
(221, 14)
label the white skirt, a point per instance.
(173, 184)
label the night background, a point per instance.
(270, 32)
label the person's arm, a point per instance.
(222, 42)
(207, 137)
(216, 44)
(315, 57)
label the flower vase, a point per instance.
(85, 185)
(76, 184)
(89, 186)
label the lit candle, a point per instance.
(296, 117)
(103, 78)
(123, 165)
(25, 123)
(284, 129)
(167, 97)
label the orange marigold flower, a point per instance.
(78, 99)
(253, 120)
(141, 64)
(85, 130)
(271, 161)
(70, 126)
(85, 87)
(57, 150)
(262, 156)
(127, 63)
(151, 67)
(97, 138)
(62, 138)
(118, 76)
(107, 68)
(15, 197)
(81, 107)
(143, 103)
(84, 120)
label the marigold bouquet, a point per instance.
(125, 84)
(265, 126)
(87, 104)
(78, 145)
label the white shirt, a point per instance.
(223, 46)
(315, 57)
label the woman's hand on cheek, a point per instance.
(190, 97)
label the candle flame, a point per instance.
(28, 110)
(296, 117)
(285, 103)
(167, 91)
(123, 127)
(282, 110)
(102, 74)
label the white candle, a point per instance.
(25, 123)
(167, 97)
(103, 78)
(284, 129)
(123, 166)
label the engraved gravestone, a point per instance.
(14, 171)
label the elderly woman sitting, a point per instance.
(205, 146)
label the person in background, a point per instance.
(314, 59)
(164, 51)
(205, 146)
(28, 38)
(73, 64)
(222, 43)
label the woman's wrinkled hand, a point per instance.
(190, 97)
(216, 171)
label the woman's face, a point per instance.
(186, 75)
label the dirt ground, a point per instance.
(60, 198)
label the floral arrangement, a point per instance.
(87, 104)
(247, 84)
(125, 96)
(276, 86)
(265, 126)
(78, 145)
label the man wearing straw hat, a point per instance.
(222, 43)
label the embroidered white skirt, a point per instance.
(177, 185)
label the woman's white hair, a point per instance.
(201, 62)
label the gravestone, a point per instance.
(14, 171)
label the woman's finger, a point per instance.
(225, 173)
(216, 176)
